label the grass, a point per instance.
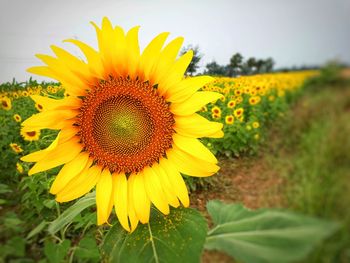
(303, 165)
(316, 146)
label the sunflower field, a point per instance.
(109, 163)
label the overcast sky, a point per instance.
(292, 32)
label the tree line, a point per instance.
(237, 66)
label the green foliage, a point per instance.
(177, 237)
(68, 215)
(264, 235)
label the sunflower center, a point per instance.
(31, 133)
(125, 125)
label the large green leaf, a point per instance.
(68, 215)
(264, 235)
(177, 237)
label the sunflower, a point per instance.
(6, 103)
(256, 124)
(238, 112)
(19, 168)
(129, 126)
(229, 119)
(30, 134)
(216, 110)
(16, 148)
(254, 100)
(231, 104)
(17, 118)
(39, 106)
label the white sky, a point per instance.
(292, 32)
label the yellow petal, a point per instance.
(170, 194)
(176, 181)
(150, 55)
(133, 51)
(131, 210)
(69, 171)
(43, 71)
(70, 81)
(120, 188)
(54, 119)
(190, 165)
(166, 60)
(75, 65)
(80, 184)
(92, 56)
(104, 196)
(36, 156)
(63, 153)
(176, 73)
(141, 201)
(119, 51)
(194, 147)
(57, 104)
(194, 103)
(154, 190)
(105, 44)
(197, 126)
(186, 88)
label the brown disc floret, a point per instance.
(125, 125)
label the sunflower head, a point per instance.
(16, 148)
(30, 134)
(129, 125)
(6, 103)
(17, 118)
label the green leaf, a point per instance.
(264, 235)
(67, 216)
(37, 229)
(87, 251)
(55, 253)
(177, 237)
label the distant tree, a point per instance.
(235, 65)
(197, 56)
(214, 68)
(249, 66)
(269, 63)
(259, 66)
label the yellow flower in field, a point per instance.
(254, 100)
(271, 98)
(239, 99)
(129, 126)
(238, 112)
(216, 110)
(25, 93)
(238, 92)
(241, 119)
(15, 95)
(6, 103)
(19, 168)
(204, 109)
(231, 104)
(39, 106)
(30, 134)
(248, 127)
(16, 148)
(229, 119)
(216, 116)
(256, 124)
(222, 98)
(257, 136)
(17, 118)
